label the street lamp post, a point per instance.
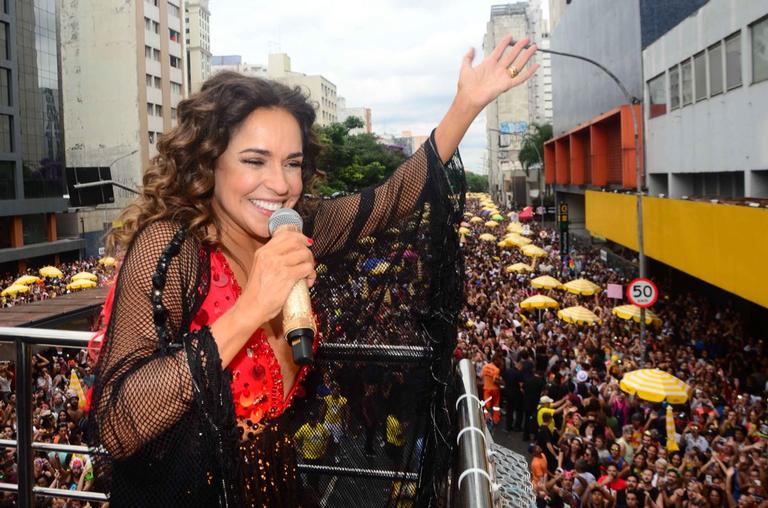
(632, 100)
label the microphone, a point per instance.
(298, 321)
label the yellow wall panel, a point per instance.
(725, 245)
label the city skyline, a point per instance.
(401, 59)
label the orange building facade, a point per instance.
(599, 153)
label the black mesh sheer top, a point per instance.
(389, 284)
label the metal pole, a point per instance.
(24, 422)
(638, 176)
(474, 480)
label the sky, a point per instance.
(400, 58)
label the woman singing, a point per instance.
(194, 377)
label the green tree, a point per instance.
(532, 147)
(352, 161)
(477, 183)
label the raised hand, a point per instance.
(496, 73)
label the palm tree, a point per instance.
(532, 148)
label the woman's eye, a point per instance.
(294, 164)
(254, 162)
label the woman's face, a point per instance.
(259, 172)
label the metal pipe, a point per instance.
(474, 480)
(26, 478)
(71, 494)
(373, 352)
(356, 472)
(35, 335)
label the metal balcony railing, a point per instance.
(25, 488)
(484, 476)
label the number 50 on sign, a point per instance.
(642, 292)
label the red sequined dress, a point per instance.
(257, 392)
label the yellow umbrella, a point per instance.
(108, 261)
(504, 244)
(81, 284)
(491, 224)
(84, 276)
(26, 280)
(578, 315)
(519, 267)
(655, 385)
(517, 240)
(487, 237)
(633, 312)
(670, 424)
(539, 302)
(464, 231)
(467, 214)
(546, 282)
(475, 220)
(51, 271)
(533, 251)
(515, 227)
(15, 289)
(581, 287)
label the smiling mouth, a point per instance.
(270, 206)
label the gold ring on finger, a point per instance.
(513, 71)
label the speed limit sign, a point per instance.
(642, 292)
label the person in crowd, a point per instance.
(312, 441)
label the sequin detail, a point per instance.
(257, 382)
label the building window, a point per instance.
(152, 136)
(715, 53)
(7, 189)
(175, 62)
(174, 35)
(148, 79)
(686, 81)
(155, 55)
(657, 91)
(173, 113)
(759, 32)
(156, 27)
(733, 61)
(5, 88)
(700, 76)
(147, 24)
(158, 110)
(147, 52)
(674, 87)
(158, 82)
(4, 41)
(175, 88)
(6, 134)
(150, 108)
(173, 10)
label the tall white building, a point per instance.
(541, 89)
(507, 117)
(122, 71)
(197, 31)
(321, 91)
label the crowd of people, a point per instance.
(51, 287)
(60, 378)
(592, 445)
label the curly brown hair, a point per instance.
(178, 185)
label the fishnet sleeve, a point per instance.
(143, 383)
(340, 222)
